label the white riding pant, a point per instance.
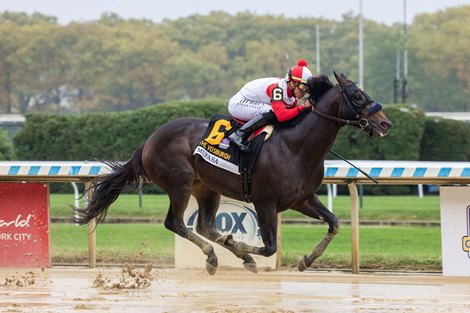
(243, 109)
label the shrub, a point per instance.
(445, 140)
(6, 147)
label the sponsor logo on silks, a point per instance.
(466, 239)
(236, 219)
(224, 144)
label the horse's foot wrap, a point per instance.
(321, 247)
(240, 247)
(207, 249)
(306, 261)
(243, 248)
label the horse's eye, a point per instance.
(359, 97)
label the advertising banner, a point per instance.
(233, 217)
(455, 230)
(24, 225)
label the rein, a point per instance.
(360, 121)
(357, 168)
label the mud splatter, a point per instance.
(83, 307)
(27, 279)
(130, 278)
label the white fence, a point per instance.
(336, 172)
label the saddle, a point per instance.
(216, 149)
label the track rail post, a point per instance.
(91, 229)
(354, 227)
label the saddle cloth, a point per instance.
(219, 151)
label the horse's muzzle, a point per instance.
(380, 129)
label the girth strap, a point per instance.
(245, 179)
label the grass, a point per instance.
(115, 243)
(385, 248)
(388, 208)
(381, 247)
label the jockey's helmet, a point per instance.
(299, 73)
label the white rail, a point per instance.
(336, 172)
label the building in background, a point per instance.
(11, 123)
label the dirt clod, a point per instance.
(27, 279)
(130, 278)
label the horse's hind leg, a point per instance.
(174, 221)
(314, 208)
(208, 202)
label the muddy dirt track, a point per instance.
(112, 290)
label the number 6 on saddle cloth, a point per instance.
(217, 149)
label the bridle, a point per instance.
(357, 119)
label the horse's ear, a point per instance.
(342, 80)
(336, 75)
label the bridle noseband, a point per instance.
(355, 109)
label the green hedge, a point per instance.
(102, 135)
(401, 144)
(445, 140)
(6, 147)
(117, 135)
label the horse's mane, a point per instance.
(317, 86)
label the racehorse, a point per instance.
(287, 174)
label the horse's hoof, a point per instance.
(303, 263)
(211, 269)
(211, 265)
(251, 266)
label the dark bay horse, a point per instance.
(288, 172)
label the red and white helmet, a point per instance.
(299, 73)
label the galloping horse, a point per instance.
(287, 174)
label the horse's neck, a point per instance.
(315, 135)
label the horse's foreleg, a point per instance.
(315, 209)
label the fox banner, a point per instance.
(24, 225)
(233, 217)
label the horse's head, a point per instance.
(358, 108)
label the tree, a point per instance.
(137, 66)
(441, 63)
(6, 147)
(16, 30)
(119, 64)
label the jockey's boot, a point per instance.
(250, 126)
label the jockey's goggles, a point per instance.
(301, 86)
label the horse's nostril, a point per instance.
(386, 125)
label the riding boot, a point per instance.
(250, 126)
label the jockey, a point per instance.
(265, 100)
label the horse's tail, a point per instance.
(106, 189)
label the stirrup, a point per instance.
(237, 140)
